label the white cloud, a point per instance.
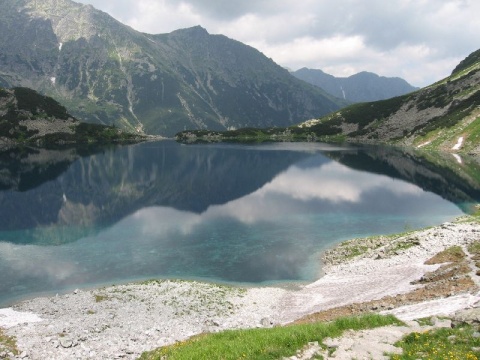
(161, 17)
(311, 52)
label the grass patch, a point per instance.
(474, 248)
(100, 298)
(353, 250)
(359, 246)
(8, 344)
(402, 242)
(453, 254)
(453, 344)
(263, 344)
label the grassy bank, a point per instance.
(273, 343)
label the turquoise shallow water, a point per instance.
(226, 213)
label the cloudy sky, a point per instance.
(418, 40)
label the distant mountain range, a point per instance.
(106, 72)
(361, 87)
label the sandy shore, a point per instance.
(123, 321)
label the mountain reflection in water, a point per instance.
(243, 214)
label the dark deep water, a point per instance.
(229, 213)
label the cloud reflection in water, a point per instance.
(270, 234)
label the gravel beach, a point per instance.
(120, 322)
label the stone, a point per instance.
(441, 323)
(66, 342)
(210, 322)
(468, 316)
(266, 322)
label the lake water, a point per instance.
(227, 213)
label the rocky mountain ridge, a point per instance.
(362, 87)
(106, 72)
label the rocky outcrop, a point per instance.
(467, 316)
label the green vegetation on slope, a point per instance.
(38, 105)
(436, 116)
(29, 117)
(469, 61)
(89, 133)
(459, 343)
(263, 344)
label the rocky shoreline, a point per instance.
(378, 274)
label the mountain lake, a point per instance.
(227, 213)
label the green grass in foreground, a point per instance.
(8, 344)
(273, 343)
(449, 344)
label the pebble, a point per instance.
(66, 342)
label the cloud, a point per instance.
(419, 40)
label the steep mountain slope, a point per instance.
(27, 117)
(361, 87)
(445, 115)
(104, 71)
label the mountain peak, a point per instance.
(198, 29)
(360, 87)
(194, 31)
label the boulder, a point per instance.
(468, 316)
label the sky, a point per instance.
(418, 40)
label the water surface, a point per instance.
(229, 213)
